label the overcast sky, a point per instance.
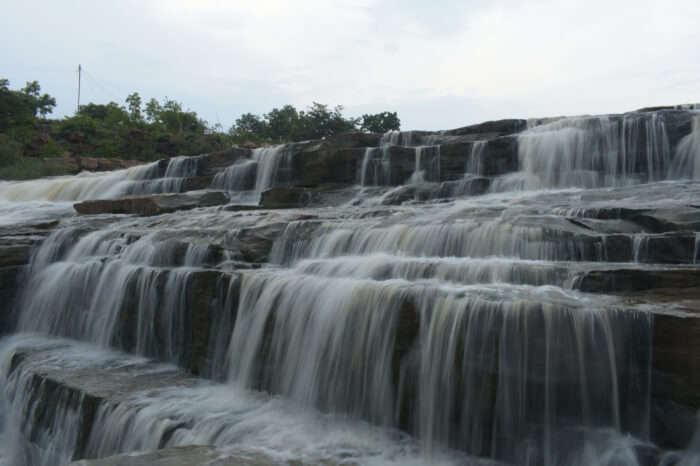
(438, 64)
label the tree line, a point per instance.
(318, 121)
(149, 130)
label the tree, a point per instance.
(16, 108)
(153, 110)
(111, 113)
(249, 126)
(323, 122)
(32, 88)
(41, 103)
(283, 124)
(176, 120)
(380, 122)
(133, 102)
(316, 122)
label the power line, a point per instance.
(102, 86)
(106, 84)
(80, 69)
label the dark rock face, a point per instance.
(284, 197)
(676, 382)
(196, 183)
(186, 456)
(211, 163)
(321, 163)
(355, 140)
(630, 280)
(490, 128)
(10, 281)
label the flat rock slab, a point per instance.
(156, 204)
(284, 197)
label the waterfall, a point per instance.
(591, 152)
(271, 161)
(169, 410)
(475, 160)
(154, 177)
(528, 328)
(237, 177)
(398, 138)
(640, 244)
(375, 167)
(686, 163)
(466, 271)
(268, 167)
(345, 345)
(110, 288)
(427, 166)
(474, 167)
(487, 238)
(418, 175)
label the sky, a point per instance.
(439, 64)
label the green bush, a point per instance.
(51, 148)
(25, 168)
(77, 124)
(10, 151)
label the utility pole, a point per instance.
(80, 69)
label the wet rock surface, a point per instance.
(156, 204)
(189, 456)
(280, 198)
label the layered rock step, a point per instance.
(406, 262)
(156, 204)
(550, 325)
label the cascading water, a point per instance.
(484, 238)
(592, 152)
(453, 332)
(375, 164)
(376, 167)
(150, 178)
(172, 410)
(330, 343)
(94, 286)
(475, 160)
(686, 163)
(237, 177)
(427, 165)
(267, 167)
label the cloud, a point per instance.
(430, 61)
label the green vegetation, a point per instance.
(31, 145)
(318, 121)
